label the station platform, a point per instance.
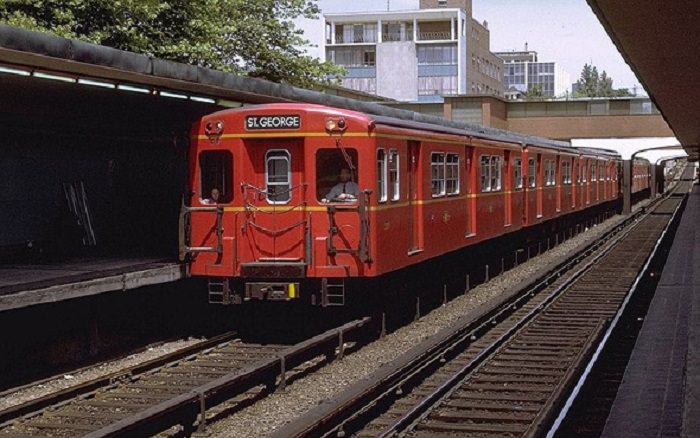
(31, 284)
(660, 391)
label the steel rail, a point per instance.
(190, 407)
(589, 366)
(32, 406)
(333, 415)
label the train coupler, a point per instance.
(272, 291)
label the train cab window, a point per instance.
(452, 174)
(333, 165)
(437, 174)
(216, 177)
(394, 183)
(278, 176)
(531, 173)
(518, 174)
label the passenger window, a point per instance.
(278, 176)
(216, 177)
(593, 175)
(381, 175)
(452, 174)
(437, 174)
(531, 173)
(518, 173)
(495, 173)
(485, 173)
(394, 183)
(336, 175)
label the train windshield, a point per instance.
(216, 177)
(336, 175)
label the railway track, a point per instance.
(154, 398)
(510, 372)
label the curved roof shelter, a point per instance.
(659, 40)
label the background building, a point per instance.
(418, 55)
(523, 72)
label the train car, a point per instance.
(288, 200)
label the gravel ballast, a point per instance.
(68, 380)
(281, 408)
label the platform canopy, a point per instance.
(660, 41)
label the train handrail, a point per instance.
(363, 249)
(186, 230)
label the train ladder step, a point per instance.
(219, 290)
(333, 291)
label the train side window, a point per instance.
(437, 174)
(593, 172)
(394, 186)
(216, 177)
(566, 172)
(452, 174)
(381, 175)
(485, 173)
(278, 176)
(550, 172)
(531, 173)
(330, 163)
(495, 173)
(584, 171)
(518, 174)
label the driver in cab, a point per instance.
(345, 191)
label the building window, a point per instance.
(518, 173)
(216, 177)
(452, 174)
(437, 54)
(278, 176)
(353, 56)
(381, 175)
(531, 173)
(394, 186)
(437, 174)
(437, 85)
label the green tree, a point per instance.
(592, 84)
(534, 91)
(255, 38)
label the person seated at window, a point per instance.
(214, 199)
(345, 191)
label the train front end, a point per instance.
(264, 219)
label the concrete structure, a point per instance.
(557, 119)
(417, 55)
(664, 61)
(523, 72)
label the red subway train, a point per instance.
(288, 200)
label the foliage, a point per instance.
(534, 91)
(592, 84)
(255, 38)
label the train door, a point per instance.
(508, 207)
(274, 193)
(540, 186)
(415, 222)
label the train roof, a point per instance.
(81, 58)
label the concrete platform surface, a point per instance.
(660, 392)
(26, 285)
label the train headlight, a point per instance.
(336, 125)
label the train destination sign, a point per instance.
(273, 122)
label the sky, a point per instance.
(565, 31)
